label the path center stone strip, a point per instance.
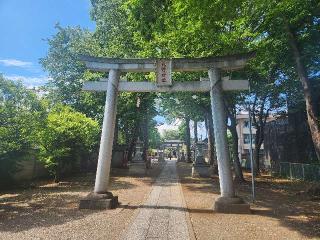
(164, 214)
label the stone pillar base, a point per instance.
(231, 205)
(99, 201)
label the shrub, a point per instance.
(67, 137)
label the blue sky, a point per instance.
(24, 24)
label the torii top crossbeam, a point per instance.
(231, 62)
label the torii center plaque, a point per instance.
(164, 69)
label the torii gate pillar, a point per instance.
(101, 198)
(107, 135)
(228, 202)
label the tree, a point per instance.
(211, 140)
(187, 138)
(67, 73)
(292, 27)
(116, 35)
(172, 134)
(180, 29)
(181, 106)
(154, 135)
(195, 131)
(148, 111)
(21, 116)
(231, 110)
(162, 29)
(267, 94)
(67, 137)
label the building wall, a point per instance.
(30, 169)
(243, 131)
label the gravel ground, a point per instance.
(280, 212)
(50, 211)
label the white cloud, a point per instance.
(29, 82)
(15, 63)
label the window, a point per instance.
(246, 138)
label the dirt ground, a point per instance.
(50, 211)
(279, 212)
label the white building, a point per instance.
(243, 131)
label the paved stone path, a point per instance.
(164, 214)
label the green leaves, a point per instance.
(67, 73)
(21, 114)
(67, 137)
(192, 28)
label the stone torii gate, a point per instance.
(101, 198)
(173, 143)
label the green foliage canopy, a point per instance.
(21, 117)
(67, 137)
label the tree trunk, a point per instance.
(259, 122)
(58, 172)
(312, 111)
(116, 131)
(133, 142)
(257, 147)
(256, 162)
(211, 148)
(145, 138)
(195, 131)
(188, 142)
(235, 150)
